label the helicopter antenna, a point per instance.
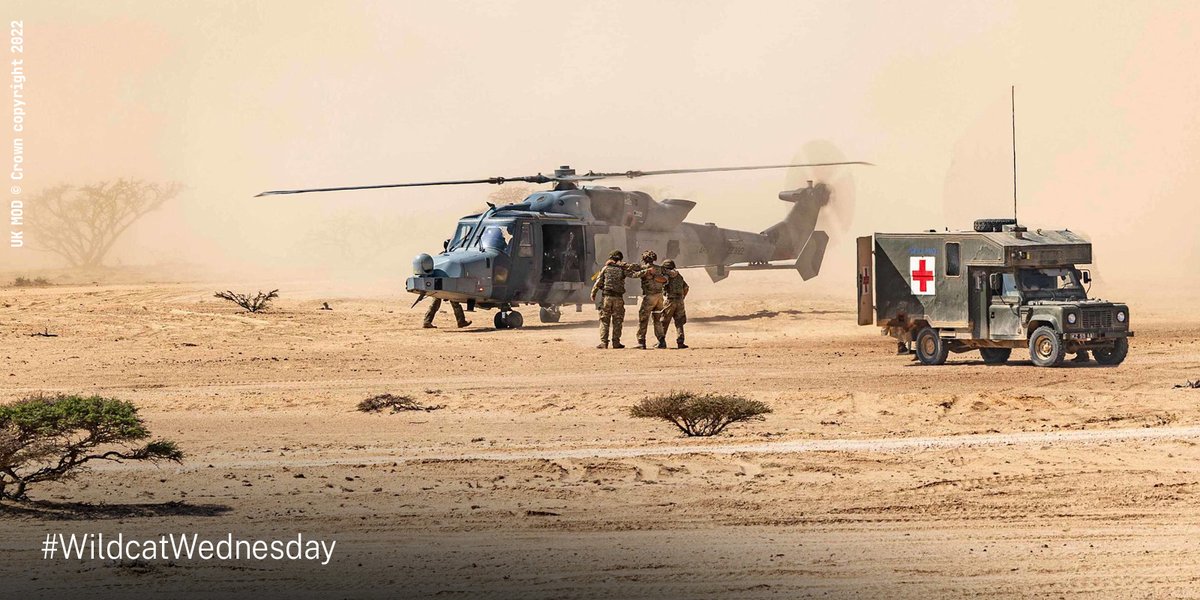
(1013, 104)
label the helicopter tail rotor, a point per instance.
(822, 196)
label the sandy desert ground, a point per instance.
(873, 477)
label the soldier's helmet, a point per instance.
(649, 256)
(616, 255)
(670, 264)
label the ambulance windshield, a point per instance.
(1059, 284)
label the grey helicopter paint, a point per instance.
(545, 249)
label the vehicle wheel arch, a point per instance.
(1041, 321)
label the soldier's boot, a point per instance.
(662, 342)
(602, 346)
(679, 342)
(617, 344)
(429, 326)
(459, 316)
(641, 344)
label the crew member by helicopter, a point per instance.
(459, 315)
(611, 282)
(652, 299)
(676, 290)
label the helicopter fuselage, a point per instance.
(546, 249)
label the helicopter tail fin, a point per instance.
(791, 236)
(808, 264)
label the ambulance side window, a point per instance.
(1008, 286)
(953, 260)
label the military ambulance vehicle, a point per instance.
(993, 289)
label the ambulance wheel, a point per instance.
(995, 356)
(1114, 356)
(931, 348)
(499, 321)
(1046, 347)
(549, 314)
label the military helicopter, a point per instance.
(544, 249)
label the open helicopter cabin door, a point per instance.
(562, 253)
(866, 291)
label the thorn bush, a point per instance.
(397, 404)
(700, 414)
(255, 303)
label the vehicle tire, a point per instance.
(499, 321)
(1116, 355)
(548, 314)
(995, 356)
(1046, 347)
(931, 348)
(514, 320)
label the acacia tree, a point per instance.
(82, 223)
(53, 438)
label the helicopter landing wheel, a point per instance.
(549, 314)
(514, 320)
(508, 320)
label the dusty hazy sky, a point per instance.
(232, 98)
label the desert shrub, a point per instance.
(382, 402)
(700, 415)
(255, 303)
(53, 438)
(27, 282)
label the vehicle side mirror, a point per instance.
(1087, 276)
(995, 282)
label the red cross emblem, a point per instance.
(864, 280)
(921, 268)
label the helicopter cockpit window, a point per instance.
(460, 235)
(496, 237)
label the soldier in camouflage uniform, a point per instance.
(611, 282)
(459, 316)
(650, 310)
(676, 290)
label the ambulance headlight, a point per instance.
(1121, 316)
(1071, 318)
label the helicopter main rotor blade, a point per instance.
(539, 178)
(632, 174)
(557, 177)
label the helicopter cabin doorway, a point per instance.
(562, 253)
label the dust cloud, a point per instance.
(234, 98)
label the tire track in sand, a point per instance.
(875, 445)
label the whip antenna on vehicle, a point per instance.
(1013, 104)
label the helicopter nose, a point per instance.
(422, 264)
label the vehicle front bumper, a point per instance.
(447, 288)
